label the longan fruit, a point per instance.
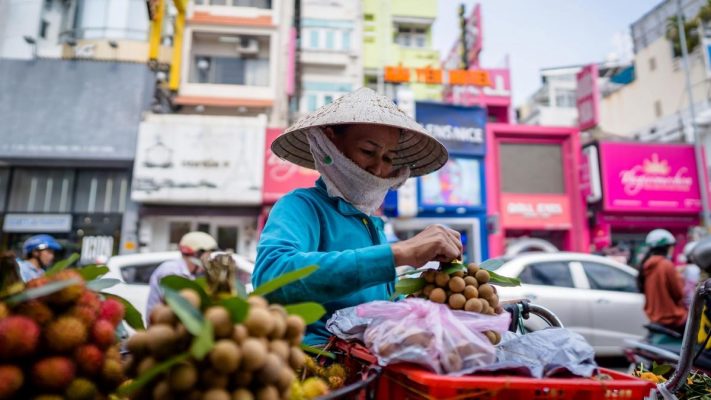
(191, 296)
(441, 279)
(438, 295)
(485, 291)
(242, 378)
(484, 306)
(456, 284)
(470, 292)
(296, 358)
(182, 377)
(457, 301)
(472, 269)
(259, 322)
(295, 327)
(269, 373)
(221, 321)
(429, 275)
(459, 273)
(137, 344)
(242, 394)
(216, 394)
(428, 289)
(473, 305)
(482, 276)
(281, 348)
(211, 378)
(499, 309)
(494, 337)
(471, 281)
(254, 354)
(239, 333)
(493, 301)
(268, 393)
(161, 340)
(162, 314)
(225, 356)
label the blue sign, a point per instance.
(461, 129)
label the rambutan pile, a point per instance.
(62, 345)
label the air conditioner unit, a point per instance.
(248, 46)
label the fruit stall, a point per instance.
(63, 337)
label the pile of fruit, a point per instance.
(61, 345)
(468, 289)
(254, 359)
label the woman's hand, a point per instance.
(434, 243)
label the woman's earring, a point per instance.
(327, 160)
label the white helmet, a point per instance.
(660, 238)
(194, 242)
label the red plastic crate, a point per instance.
(408, 382)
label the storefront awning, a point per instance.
(72, 109)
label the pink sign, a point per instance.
(587, 97)
(498, 95)
(535, 211)
(649, 178)
(281, 177)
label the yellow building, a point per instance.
(399, 32)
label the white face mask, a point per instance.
(345, 179)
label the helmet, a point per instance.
(40, 242)
(685, 256)
(701, 253)
(660, 238)
(194, 242)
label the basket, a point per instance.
(404, 381)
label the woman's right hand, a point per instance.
(434, 243)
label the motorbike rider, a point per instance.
(690, 272)
(38, 252)
(661, 283)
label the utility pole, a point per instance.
(700, 169)
(463, 36)
(296, 99)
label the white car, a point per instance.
(134, 271)
(592, 295)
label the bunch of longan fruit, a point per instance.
(466, 289)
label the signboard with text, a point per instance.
(535, 211)
(649, 178)
(461, 129)
(190, 159)
(280, 176)
(587, 97)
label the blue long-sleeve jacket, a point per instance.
(307, 227)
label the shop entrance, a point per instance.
(469, 228)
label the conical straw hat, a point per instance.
(418, 149)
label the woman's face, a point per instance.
(371, 147)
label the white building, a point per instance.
(331, 48)
(553, 104)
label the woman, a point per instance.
(661, 283)
(362, 145)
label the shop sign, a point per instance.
(587, 97)
(499, 93)
(602, 236)
(201, 160)
(650, 178)
(457, 184)
(535, 211)
(37, 223)
(590, 175)
(436, 76)
(96, 249)
(461, 129)
(280, 176)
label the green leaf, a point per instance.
(492, 264)
(203, 341)
(62, 264)
(178, 283)
(454, 267)
(409, 285)
(318, 352)
(237, 308)
(309, 311)
(98, 285)
(148, 376)
(284, 280)
(503, 280)
(34, 293)
(188, 315)
(91, 272)
(661, 369)
(133, 317)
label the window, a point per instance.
(327, 99)
(346, 40)
(227, 237)
(4, 179)
(101, 192)
(369, 17)
(41, 190)
(605, 277)
(311, 102)
(411, 36)
(330, 36)
(44, 25)
(313, 39)
(230, 59)
(657, 108)
(531, 168)
(555, 273)
(139, 273)
(176, 231)
(565, 98)
(652, 64)
(218, 2)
